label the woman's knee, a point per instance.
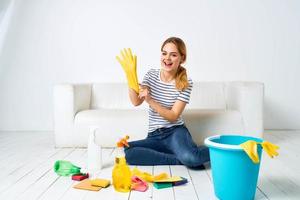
(190, 159)
(129, 154)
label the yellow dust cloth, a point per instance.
(168, 180)
(148, 177)
(128, 63)
(250, 147)
(86, 185)
(100, 182)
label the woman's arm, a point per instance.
(134, 97)
(169, 114)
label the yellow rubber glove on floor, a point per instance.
(250, 147)
(128, 63)
(148, 177)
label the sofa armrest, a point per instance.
(68, 100)
(247, 98)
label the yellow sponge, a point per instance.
(100, 182)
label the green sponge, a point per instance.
(162, 185)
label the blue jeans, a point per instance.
(167, 146)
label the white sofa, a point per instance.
(215, 108)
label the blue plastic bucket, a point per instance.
(234, 174)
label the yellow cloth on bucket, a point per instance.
(128, 63)
(250, 147)
(148, 177)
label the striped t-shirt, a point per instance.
(165, 94)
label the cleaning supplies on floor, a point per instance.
(121, 174)
(65, 168)
(250, 147)
(123, 179)
(148, 177)
(128, 63)
(162, 180)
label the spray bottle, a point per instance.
(94, 153)
(121, 174)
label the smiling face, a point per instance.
(170, 57)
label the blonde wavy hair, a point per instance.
(181, 80)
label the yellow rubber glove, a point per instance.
(270, 148)
(128, 63)
(250, 147)
(148, 177)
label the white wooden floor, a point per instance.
(27, 158)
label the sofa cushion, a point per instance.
(207, 95)
(113, 124)
(112, 96)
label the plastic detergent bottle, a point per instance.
(121, 174)
(94, 153)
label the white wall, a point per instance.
(52, 41)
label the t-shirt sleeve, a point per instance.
(146, 78)
(185, 94)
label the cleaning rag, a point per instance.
(250, 147)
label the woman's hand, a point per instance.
(170, 114)
(128, 63)
(144, 93)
